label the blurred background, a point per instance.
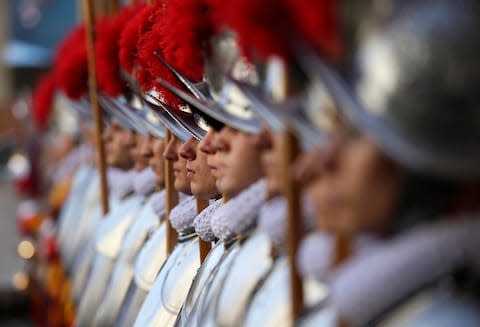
(29, 33)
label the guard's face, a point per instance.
(207, 146)
(239, 161)
(140, 161)
(118, 145)
(202, 182)
(357, 186)
(152, 151)
(171, 153)
(270, 145)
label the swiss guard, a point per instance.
(263, 163)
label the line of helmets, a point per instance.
(272, 163)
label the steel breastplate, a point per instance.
(323, 316)
(201, 314)
(81, 268)
(90, 299)
(131, 306)
(69, 214)
(118, 284)
(109, 237)
(205, 273)
(124, 266)
(86, 220)
(434, 307)
(112, 231)
(240, 283)
(144, 224)
(171, 286)
(430, 307)
(85, 252)
(150, 259)
(270, 305)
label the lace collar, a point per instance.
(239, 213)
(272, 219)
(144, 181)
(120, 182)
(202, 223)
(182, 216)
(368, 285)
(159, 203)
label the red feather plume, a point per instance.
(261, 27)
(42, 100)
(130, 36)
(71, 64)
(180, 34)
(75, 36)
(148, 45)
(152, 67)
(316, 23)
(265, 27)
(185, 30)
(108, 31)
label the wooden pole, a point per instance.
(159, 188)
(79, 8)
(204, 247)
(343, 250)
(89, 18)
(172, 198)
(100, 7)
(114, 7)
(295, 228)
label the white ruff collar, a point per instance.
(202, 222)
(70, 163)
(159, 203)
(239, 213)
(120, 182)
(272, 219)
(366, 286)
(144, 181)
(314, 257)
(316, 253)
(182, 216)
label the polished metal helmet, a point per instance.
(136, 109)
(180, 120)
(411, 82)
(216, 98)
(115, 108)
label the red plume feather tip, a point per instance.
(42, 100)
(130, 36)
(141, 71)
(185, 31)
(73, 38)
(261, 27)
(149, 44)
(107, 49)
(316, 23)
(149, 65)
(180, 34)
(71, 64)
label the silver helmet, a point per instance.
(216, 97)
(411, 82)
